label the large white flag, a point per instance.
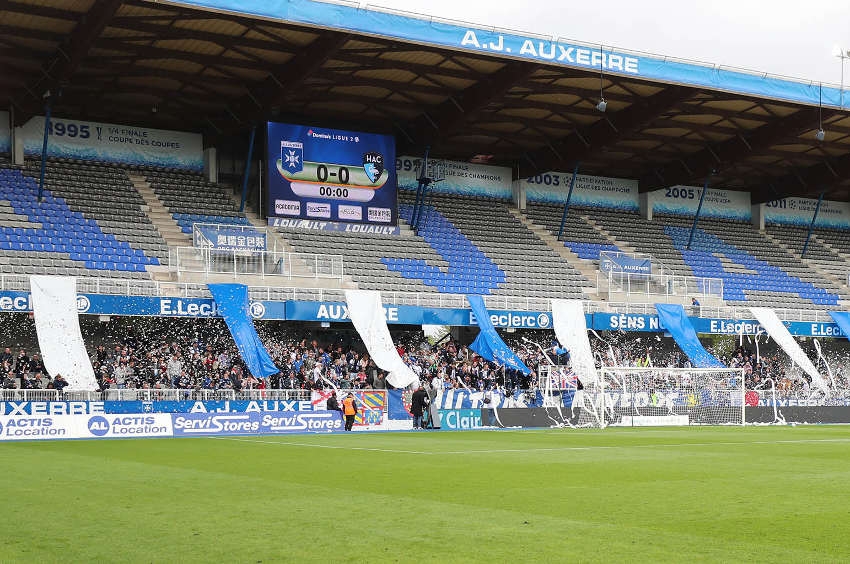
(571, 330)
(777, 330)
(367, 314)
(57, 324)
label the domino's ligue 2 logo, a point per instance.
(98, 426)
(83, 304)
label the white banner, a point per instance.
(88, 140)
(684, 200)
(367, 314)
(571, 329)
(589, 191)
(800, 211)
(57, 324)
(16, 428)
(462, 178)
(5, 133)
(777, 330)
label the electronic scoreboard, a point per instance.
(330, 174)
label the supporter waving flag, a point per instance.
(488, 344)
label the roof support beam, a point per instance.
(722, 155)
(60, 68)
(581, 144)
(453, 114)
(806, 182)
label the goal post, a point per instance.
(654, 396)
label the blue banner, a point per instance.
(195, 406)
(457, 177)
(274, 423)
(674, 320)
(330, 174)
(466, 399)
(228, 238)
(108, 142)
(460, 419)
(842, 319)
(232, 301)
(488, 343)
(398, 405)
(463, 37)
(615, 262)
(358, 229)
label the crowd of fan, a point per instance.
(207, 359)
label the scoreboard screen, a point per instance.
(331, 175)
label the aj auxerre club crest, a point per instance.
(373, 164)
(292, 156)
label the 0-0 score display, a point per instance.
(331, 174)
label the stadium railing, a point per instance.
(165, 394)
(127, 287)
(255, 263)
(630, 283)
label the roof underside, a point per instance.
(145, 63)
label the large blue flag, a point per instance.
(842, 319)
(674, 320)
(488, 344)
(232, 303)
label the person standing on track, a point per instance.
(418, 404)
(349, 410)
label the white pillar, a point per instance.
(646, 205)
(758, 216)
(210, 165)
(519, 194)
(18, 146)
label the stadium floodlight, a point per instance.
(602, 105)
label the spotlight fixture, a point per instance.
(820, 134)
(602, 105)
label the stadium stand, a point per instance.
(579, 236)
(823, 252)
(530, 267)
(757, 270)
(89, 221)
(192, 200)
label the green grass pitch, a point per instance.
(767, 494)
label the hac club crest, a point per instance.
(373, 164)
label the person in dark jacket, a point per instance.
(418, 403)
(333, 404)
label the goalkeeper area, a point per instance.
(708, 494)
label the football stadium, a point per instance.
(300, 280)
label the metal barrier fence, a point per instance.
(658, 285)
(155, 395)
(254, 263)
(85, 285)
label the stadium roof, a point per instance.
(220, 66)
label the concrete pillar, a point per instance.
(210, 165)
(646, 205)
(18, 146)
(758, 216)
(519, 194)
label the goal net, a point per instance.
(633, 397)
